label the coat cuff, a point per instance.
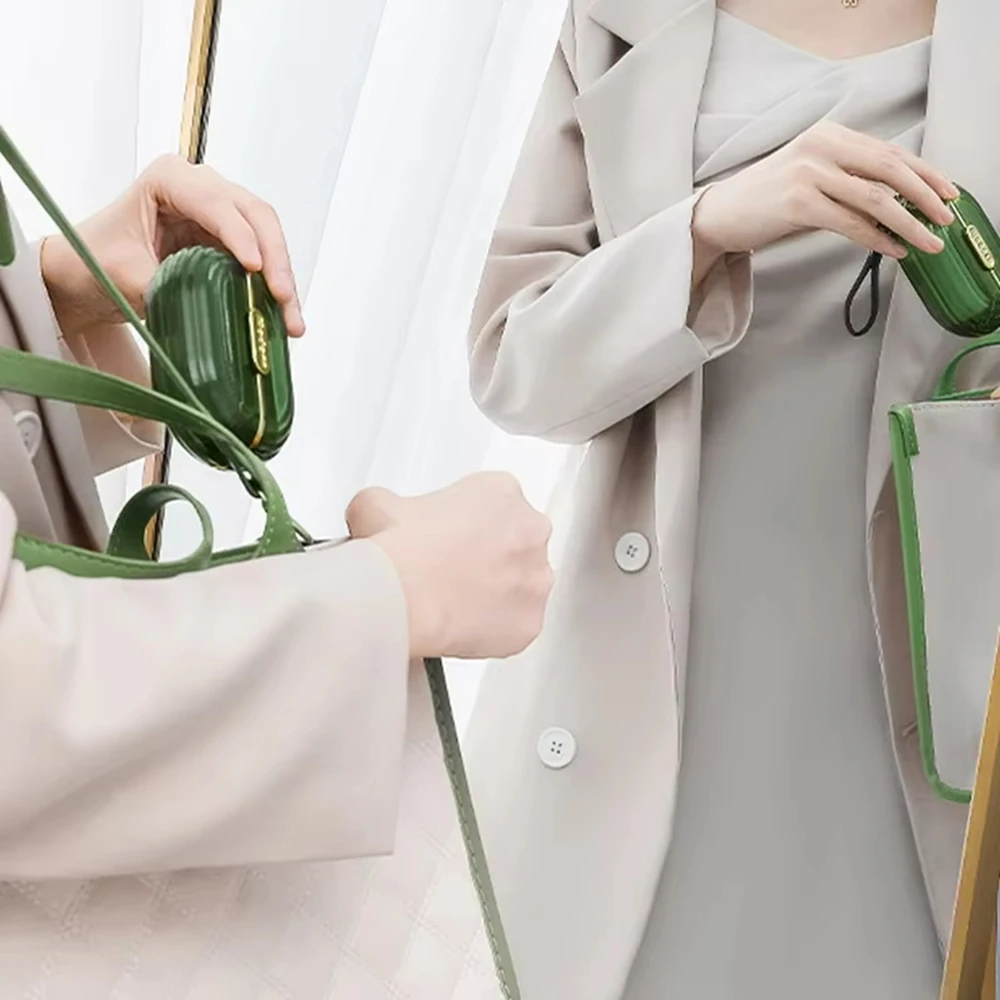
(722, 304)
(113, 439)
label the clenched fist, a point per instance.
(473, 562)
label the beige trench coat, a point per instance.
(583, 331)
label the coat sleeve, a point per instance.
(569, 337)
(112, 439)
(248, 714)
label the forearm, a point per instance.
(579, 343)
(705, 254)
(250, 714)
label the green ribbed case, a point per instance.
(959, 286)
(224, 332)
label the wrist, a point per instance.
(707, 248)
(425, 621)
(61, 275)
(708, 241)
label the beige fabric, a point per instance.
(956, 485)
(580, 324)
(247, 732)
(791, 838)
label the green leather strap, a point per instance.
(128, 536)
(31, 375)
(475, 852)
(7, 249)
(948, 383)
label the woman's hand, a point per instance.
(472, 560)
(172, 204)
(829, 178)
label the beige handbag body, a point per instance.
(946, 464)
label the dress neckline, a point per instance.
(917, 43)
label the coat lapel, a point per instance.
(638, 118)
(31, 312)
(960, 138)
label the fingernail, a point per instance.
(935, 243)
(953, 191)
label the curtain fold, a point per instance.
(91, 91)
(388, 162)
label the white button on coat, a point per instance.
(29, 426)
(632, 552)
(556, 748)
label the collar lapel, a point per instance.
(638, 118)
(31, 312)
(960, 138)
(635, 20)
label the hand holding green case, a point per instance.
(959, 286)
(224, 332)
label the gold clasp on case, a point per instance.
(260, 350)
(259, 346)
(261, 355)
(979, 245)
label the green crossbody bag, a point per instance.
(946, 465)
(185, 412)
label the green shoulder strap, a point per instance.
(43, 377)
(948, 383)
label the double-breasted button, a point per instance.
(29, 426)
(556, 748)
(632, 552)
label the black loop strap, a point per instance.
(870, 270)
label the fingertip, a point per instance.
(294, 322)
(248, 256)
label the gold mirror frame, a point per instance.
(970, 968)
(194, 129)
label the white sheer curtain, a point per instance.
(385, 133)
(91, 91)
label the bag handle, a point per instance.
(36, 376)
(948, 383)
(870, 272)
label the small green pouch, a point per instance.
(959, 286)
(223, 330)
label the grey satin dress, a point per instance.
(792, 873)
